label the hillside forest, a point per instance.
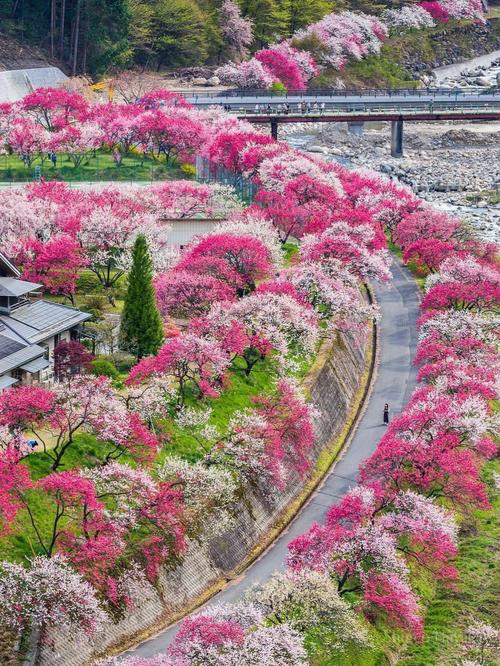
(97, 36)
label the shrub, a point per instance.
(103, 366)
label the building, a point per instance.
(30, 328)
(182, 231)
(16, 83)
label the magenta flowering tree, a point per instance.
(436, 10)
(56, 263)
(242, 259)
(175, 134)
(290, 420)
(425, 223)
(288, 65)
(14, 480)
(185, 294)
(54, 108)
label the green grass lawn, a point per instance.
(87, 451)
(99, 168)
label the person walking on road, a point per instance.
(386, 413)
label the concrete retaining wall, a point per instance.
(333, 385)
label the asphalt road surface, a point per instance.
(394, 382)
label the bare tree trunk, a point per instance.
(77, 34)
(61, 33)
(85, 39)
(71, 42)
(52, 26)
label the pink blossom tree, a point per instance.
(236, 30)
(244, 257)
(193, 363)
(81, 403)
(48, 595)
(186, 294)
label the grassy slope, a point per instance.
(449, 611)
(87, 451)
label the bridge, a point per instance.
(357, 107)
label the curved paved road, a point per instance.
(394, 382)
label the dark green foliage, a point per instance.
(304, 12)
(103, 367)
(86, 35)
(172, 33)
(141, 330)
(270, 18)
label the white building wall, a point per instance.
(183, 231)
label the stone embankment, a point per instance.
(336, 387)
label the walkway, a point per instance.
(394, 383)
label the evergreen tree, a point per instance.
(141, 329)
(179, 34)
(304, 12)
(270, 19)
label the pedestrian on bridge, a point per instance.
(322, 108)
(315, 107)
(257, 108)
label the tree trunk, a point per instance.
(77, 34)
(61, 32)
(52, 26)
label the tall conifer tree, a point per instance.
(141, 329)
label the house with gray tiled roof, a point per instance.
(30, 328)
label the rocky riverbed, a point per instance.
(453, 165)
(482, 72)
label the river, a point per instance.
(454, 71)
(473, 166)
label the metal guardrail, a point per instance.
(355, 92)
(342, 110)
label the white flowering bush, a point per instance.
(48, 594)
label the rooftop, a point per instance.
(41, 319)
(12, 287)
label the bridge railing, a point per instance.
(355, 92)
